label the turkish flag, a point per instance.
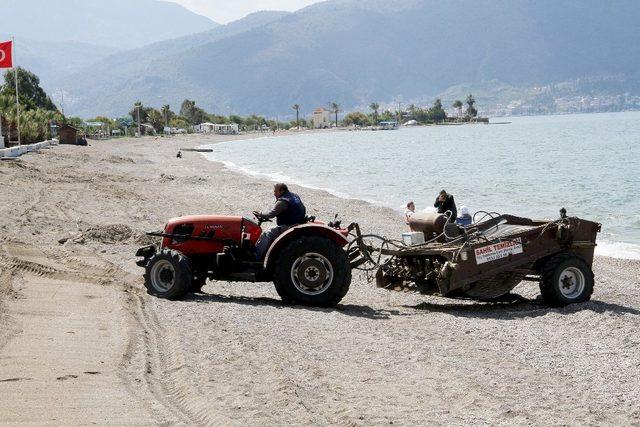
(5, 55)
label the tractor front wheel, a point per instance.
(168, 274)
(312, 271)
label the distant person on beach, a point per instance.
(288, 211)
(445, 203)
(179, 155)
(464, 219)
(408, 213)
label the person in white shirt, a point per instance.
(408, 213)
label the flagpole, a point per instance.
(15, 67)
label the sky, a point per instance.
(224, 11)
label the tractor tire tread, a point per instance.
(548, 279)
(336, 255)
(183, 281)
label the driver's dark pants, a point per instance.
(266, 238)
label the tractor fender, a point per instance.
(298, 231)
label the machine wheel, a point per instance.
(168, 274)
(566, 279)
(197, 283)
(312, 271)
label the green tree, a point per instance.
(155, 119)
(457, 104)
(356, 118)
(236, 119)
(387, 116)
(167, 114)
(134, 112)
(335, 109)
(297, 108)
(31, 95)
(471, 110)
(193, 114)
(437, 113)
(180, 123)
(375, 107)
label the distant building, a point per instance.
(68, 134)
(222, 129)
(321, 118)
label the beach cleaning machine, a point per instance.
(311, 263)
(486, 260)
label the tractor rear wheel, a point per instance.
(168, 274)
(312, 271)
(566, 279)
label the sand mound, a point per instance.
(109, 234)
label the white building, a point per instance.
(223, 129)
(321, 118)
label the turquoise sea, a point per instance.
(530, 167)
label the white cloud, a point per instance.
(224, 11)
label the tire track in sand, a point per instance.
(169, 393)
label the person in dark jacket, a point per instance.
(288, 211)
(445, 203)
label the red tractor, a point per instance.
(307, 263)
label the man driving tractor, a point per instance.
(288, 211)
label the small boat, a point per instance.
(390, 125)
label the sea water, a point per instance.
(532, 167)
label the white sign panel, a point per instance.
(498, 251)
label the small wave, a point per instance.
(618, 250)
(280, 177)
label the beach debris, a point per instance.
(119, 159)
(167, 177)
(198, 150)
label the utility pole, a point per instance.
(62, 102)
(138, 114)
(15, 68)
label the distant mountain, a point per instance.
(137, 62)
(355, 52)
(120, 24)
(125, 73)
(52, 61)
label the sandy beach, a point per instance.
(81, 342)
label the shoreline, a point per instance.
(605, 248)
(79, 322)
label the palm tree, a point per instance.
(375, 107)
(166, 111)
(297, 108)
(335, 109)
(457, 104)
(471, 111)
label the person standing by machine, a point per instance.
(408, 213)
(465, 218)
(445, 203)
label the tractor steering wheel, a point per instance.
(261, 218)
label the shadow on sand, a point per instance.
(517, 307)
(509, 307)
(346, 309)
